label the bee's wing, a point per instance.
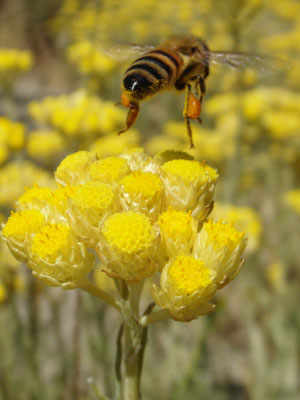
(125, 52)
(261, 63)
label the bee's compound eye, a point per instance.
(135, 82)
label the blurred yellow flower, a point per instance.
(45, 146)
(292, 198)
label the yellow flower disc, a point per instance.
(186, 275)
(190, 171)
(174, 224)
(128, 249)
(52, 241)
(143, 192)
(109, 170)
(129, 232)
(56, 257)
(144, 184)
(94, 196)
(36, 194)
(23, 223)
(177, 230)
(222, 234)
(90, 203)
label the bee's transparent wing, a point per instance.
(261, 63)
(125, 52)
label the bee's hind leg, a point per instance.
(131, 116)
(186, 113)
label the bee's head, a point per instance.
(136, 86)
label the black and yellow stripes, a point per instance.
(155, 70)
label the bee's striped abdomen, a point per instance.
(148, 74)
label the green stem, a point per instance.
(97, 292)
(131, 376)
(154, 316)
(75, 384)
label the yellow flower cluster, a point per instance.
(143, 217)
(244, 219)
(112, 145)
(11, 138)
(13, 62)
(78, 115)
(292, 198)
(45, 146)
(90, 59)
(276, 109)
(18, 175)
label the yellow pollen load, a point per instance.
(186, 275)
(174, 224)
(109, 170)
(129, 232)
(145, 184)
(94, 196)
(74, 163)
(223, 234)
(23, 223)
(51, 242)
(190, 171)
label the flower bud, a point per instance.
(73, 170)
(186, 286)
(142, 192)
(177, 230)
(109, 170)
(220, 246)
(89, 205)
(189, 186)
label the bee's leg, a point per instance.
(201, 91)
(131, 116)
(186, 114)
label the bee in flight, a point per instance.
(180, 63)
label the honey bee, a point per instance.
(180, 63)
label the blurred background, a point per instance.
(61, 65)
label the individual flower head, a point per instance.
(177, 230)
(138, 160)
(142, 192)
(19, 229)
(108, 170)
(186, 287)
(50, 202)
(56, 257)
(189, 186)
(73, 170)
(88, 206)
(129, 246)
(220, 246)
(244, 219)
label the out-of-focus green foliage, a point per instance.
(61, 65)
